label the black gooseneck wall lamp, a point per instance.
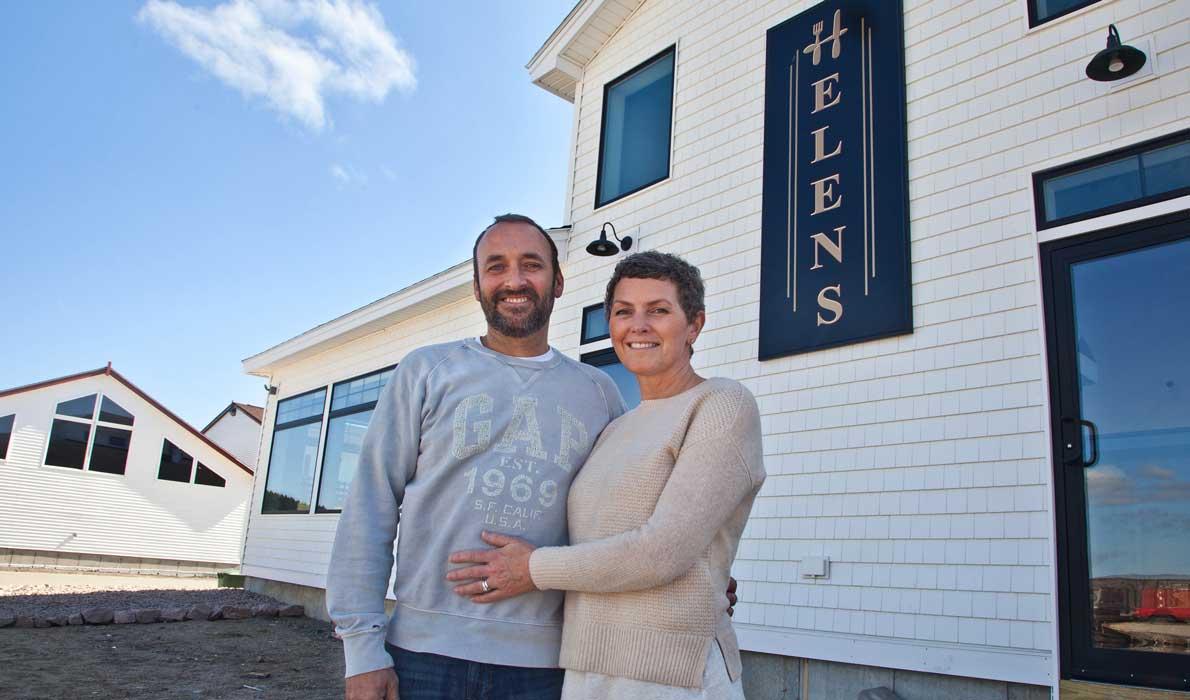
(603, 247)
(1117, 61)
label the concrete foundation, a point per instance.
(770, 677)
(68, 562)
(314, 599)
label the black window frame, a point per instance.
(339, 413)
(582, 329)
(161, 462)
(297, 423)
(108, 449)
(50, 444)
(1134, 150)
(603, 358)
(1078, 659)
(607, 88)
(6, 433)
(199, 468)
(94, 424)
(1036, 21)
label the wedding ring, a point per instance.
(484, 585)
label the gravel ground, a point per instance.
(259, 658)
(49, 600)
(255, 659)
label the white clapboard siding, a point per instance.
(296, 548)
(238, 434)
(131, 515)
(918, 464)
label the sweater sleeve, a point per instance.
(711, 477)
(362, 555)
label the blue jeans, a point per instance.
(423, 676)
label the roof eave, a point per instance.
(447, 287)
(558, 65)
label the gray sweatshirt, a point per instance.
(463, 439)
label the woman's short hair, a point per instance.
(655, 265)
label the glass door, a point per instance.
(1118, 318)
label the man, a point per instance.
(474, 435)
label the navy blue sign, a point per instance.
(835, 226)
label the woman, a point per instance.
(655, 515)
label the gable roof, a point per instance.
(136, 390)
(256, 413)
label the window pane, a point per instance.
(206, 477)
(1167, 169)
(594, 324)
(1093, 188)
(111, 412)
(6, 424)
(291, 470)
(304, 406)
(1049, 8)
(83, 407)
(109, 454)
(176, 465)
(636, 130)
(359, 391)
(344, 436)
(625, 381)
(68, 443)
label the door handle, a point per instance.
(1075, 443)
(1094, 442)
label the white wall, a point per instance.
(296, 548)
(238, 434)
(919, 464)
(131, 515)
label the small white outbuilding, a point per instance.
(96, 474)
(237, 430)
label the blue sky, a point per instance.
(189, 183)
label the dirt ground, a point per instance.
(258, 658)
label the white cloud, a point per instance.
(292, 53)
(347, 175)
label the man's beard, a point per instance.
(523, 326)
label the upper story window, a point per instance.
(178, 465)
(594, 325)
(80, 436)
(1135, 176)
(6, 423)
(352, 402)
(290, 482)
(1042, 11)
(634, 143)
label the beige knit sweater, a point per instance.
(655, 518)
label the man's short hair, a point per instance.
(514, 219)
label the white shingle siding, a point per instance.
(918, 464)
(136, 515)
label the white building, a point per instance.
(97, 475)
(1026, 241)
(237, 430)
